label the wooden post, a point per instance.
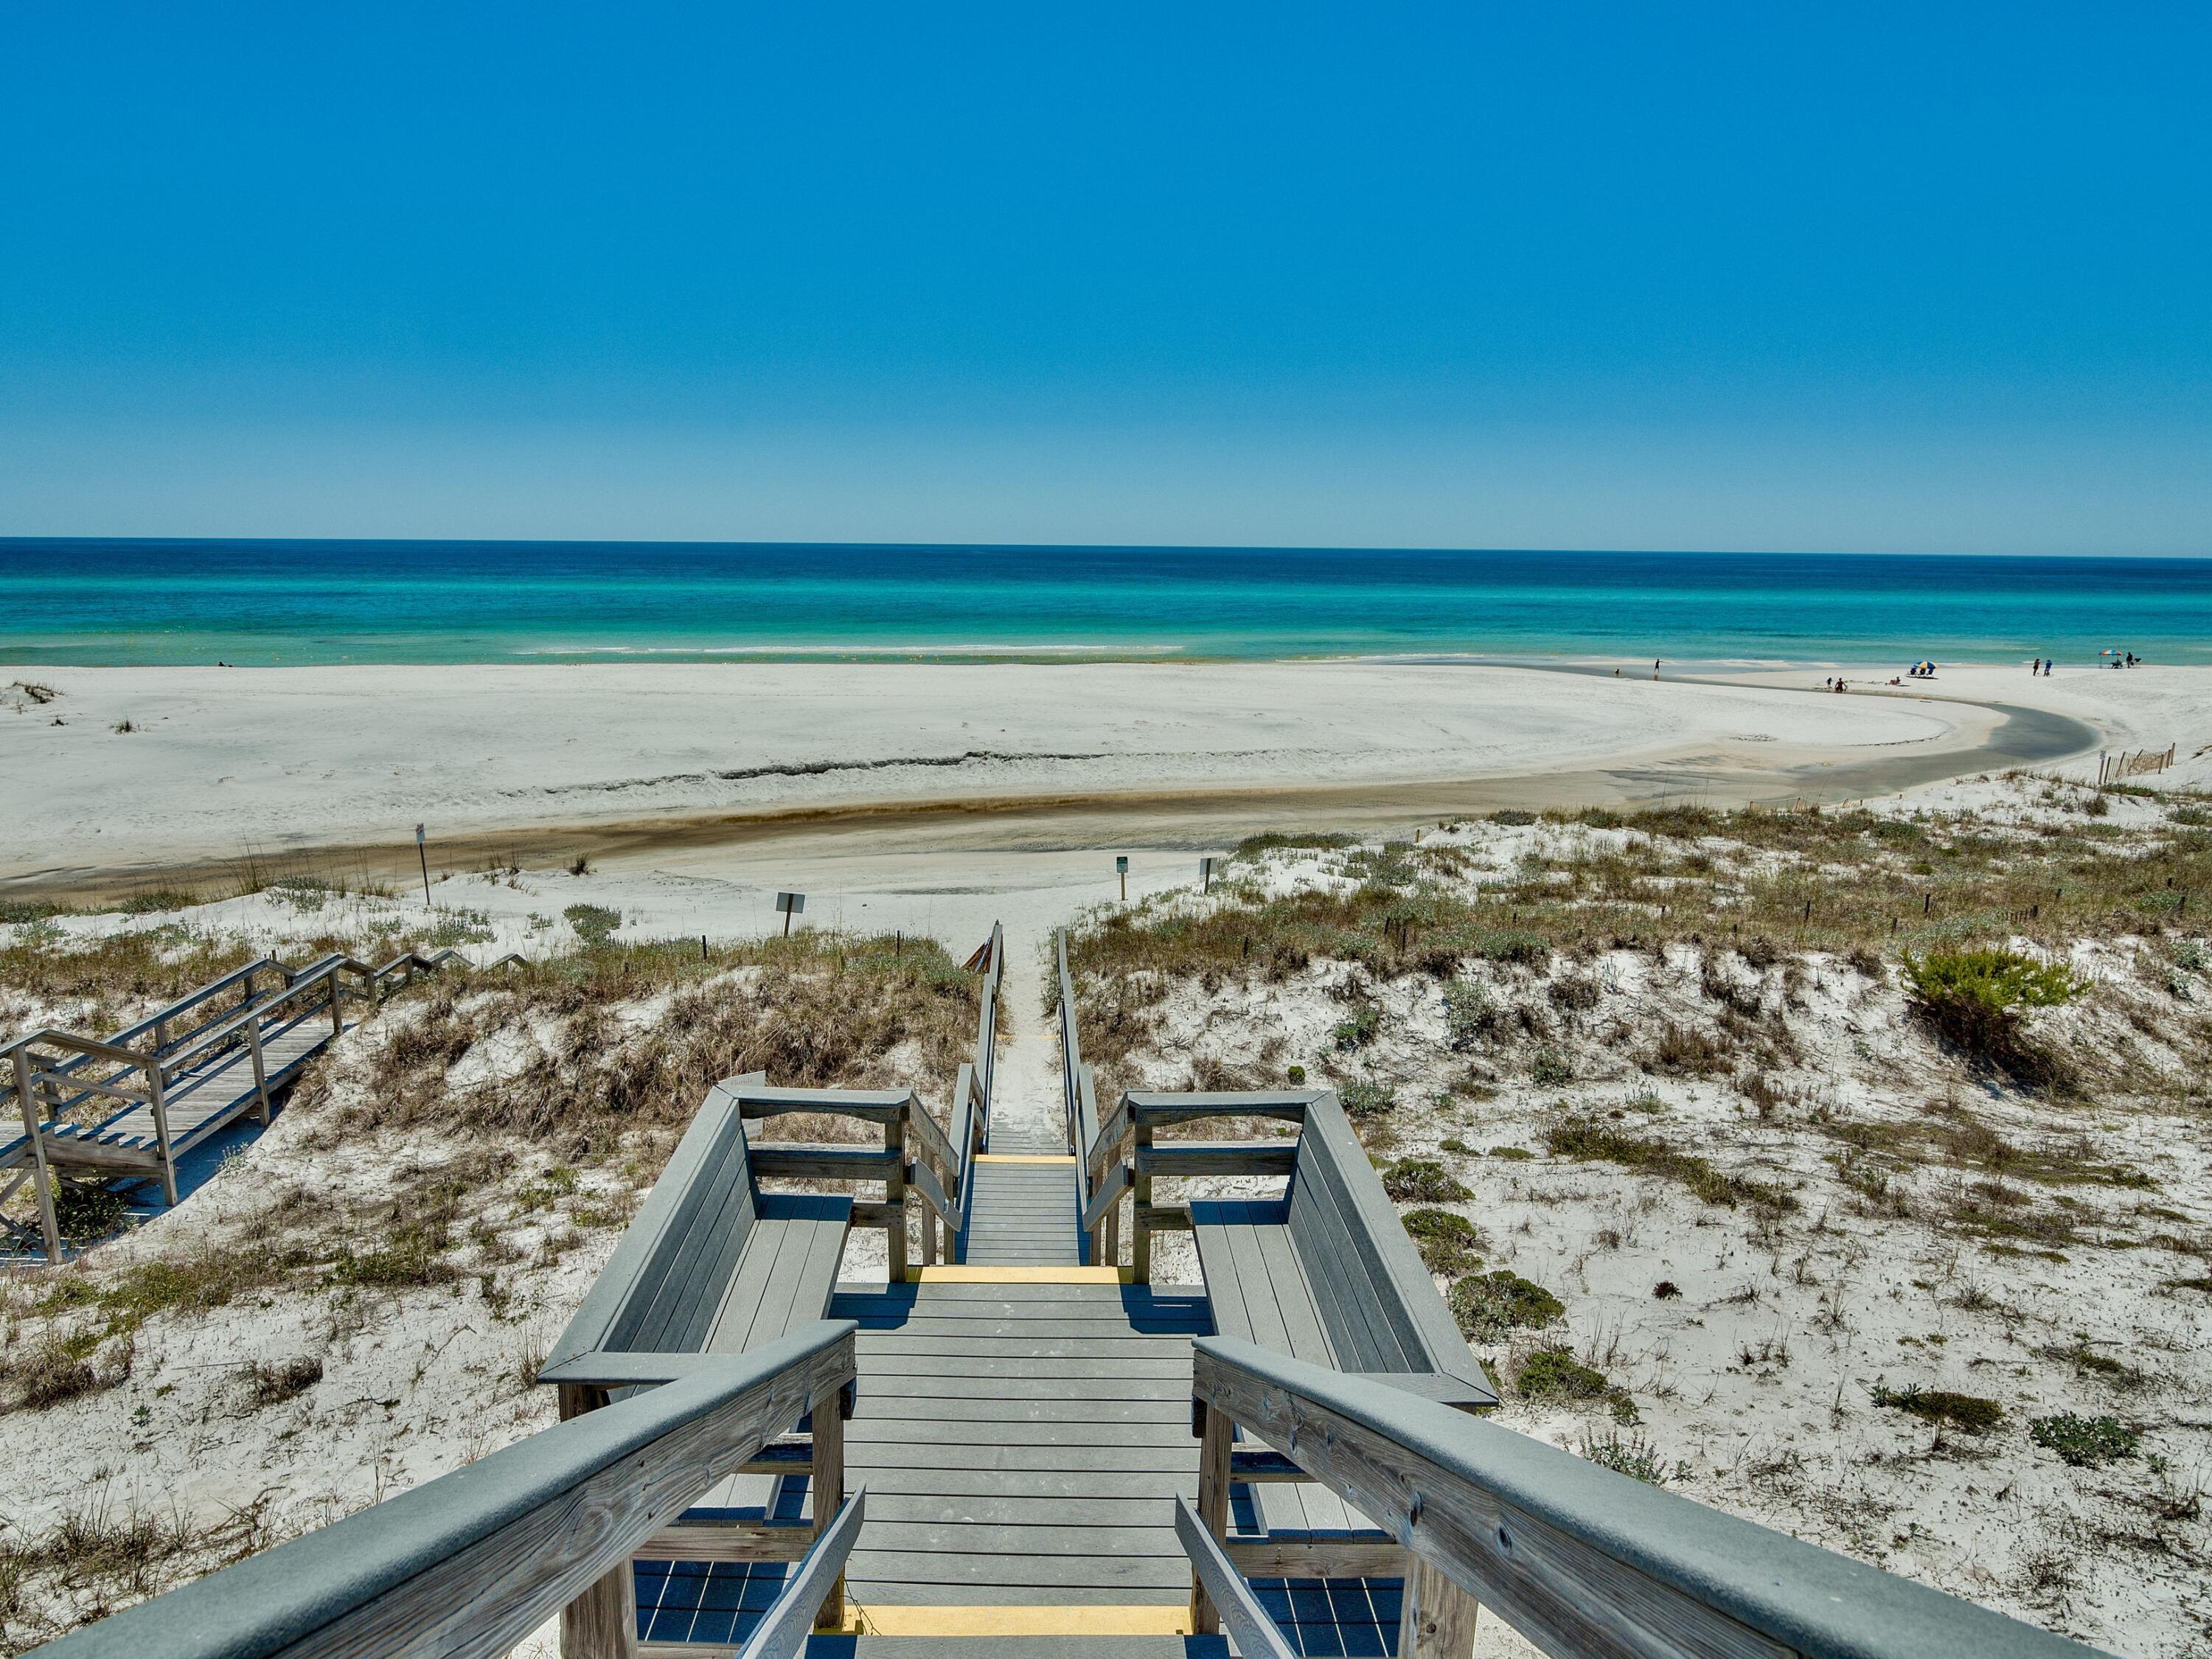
(162, 1133)
(895, 1195)
(827, 1427)
(1438, 1617)
(41, 1176)
(260, 1071)
(1215, 1435)
(338, 1016)
(1140, 1237)
(602, 1622)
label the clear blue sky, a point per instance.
(1773, 276)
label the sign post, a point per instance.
(1205, 874)
(424, 858)
(1121, 869)
(791, 904)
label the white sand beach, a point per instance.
(219, 762)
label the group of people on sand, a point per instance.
(2040, 665)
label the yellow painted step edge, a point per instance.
(1025, 1158)
(1043, 1274)
(1063, 1620)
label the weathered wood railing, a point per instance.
(51, 1072)
(465, 1567)
(1124, 1159)
(971, 1090)
(1101, 1237)
(1579, 1559)
(915, 1159)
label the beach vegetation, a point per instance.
(1976, 1000)
(1940, 1406)
(1424, 1181)
(1583, 1136)
(1449, 1244)
(1470, 1015)
(1636, 1457)
(2085, 1442)
(1367, 1097)
(1490, 1306)
(595, 924)
(1554, 1376)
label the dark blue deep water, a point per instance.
(89, 602)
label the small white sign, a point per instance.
(1122, 865)
(791, 904)
(418, 834)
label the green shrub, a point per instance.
(1550, 1069)
(1448, 1243)
(1555, 1374)
(1358, 1031)
(1518, 1154)
(1512, 816)
(1469, 1014)
(1489, 1305)
(1635, 1457)
(1513, 945)
(1961, 1411)
(595, 923)
(1424, 1181)
(460, 927)
(1365, 1098)
(1974, 999)
(2084, 1442)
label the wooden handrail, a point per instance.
(468, 1565)
(48, 1037)
(304, 980)
(1226, 1592)
(1577, 1558)
(783, 1629)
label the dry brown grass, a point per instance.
(814, 1012)
(99, 1559)
(1767, 883)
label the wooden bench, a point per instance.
(711, 1264)
(1326, 1273)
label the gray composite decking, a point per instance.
(1022, 1444)
(1023, 1214)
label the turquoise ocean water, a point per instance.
(256, 602)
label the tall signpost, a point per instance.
(423, 858)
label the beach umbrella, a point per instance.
(1924, 666)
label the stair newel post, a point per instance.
(1437, 1617)
(602, 1622)
(41, 1176)
(928, 1212)
(895, 1196)
(1113, 1256)
(156, 1096)
(337, 1014)
(826, 1424)
(1140, 1199)
(260, 1071)
(1215, 1433)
